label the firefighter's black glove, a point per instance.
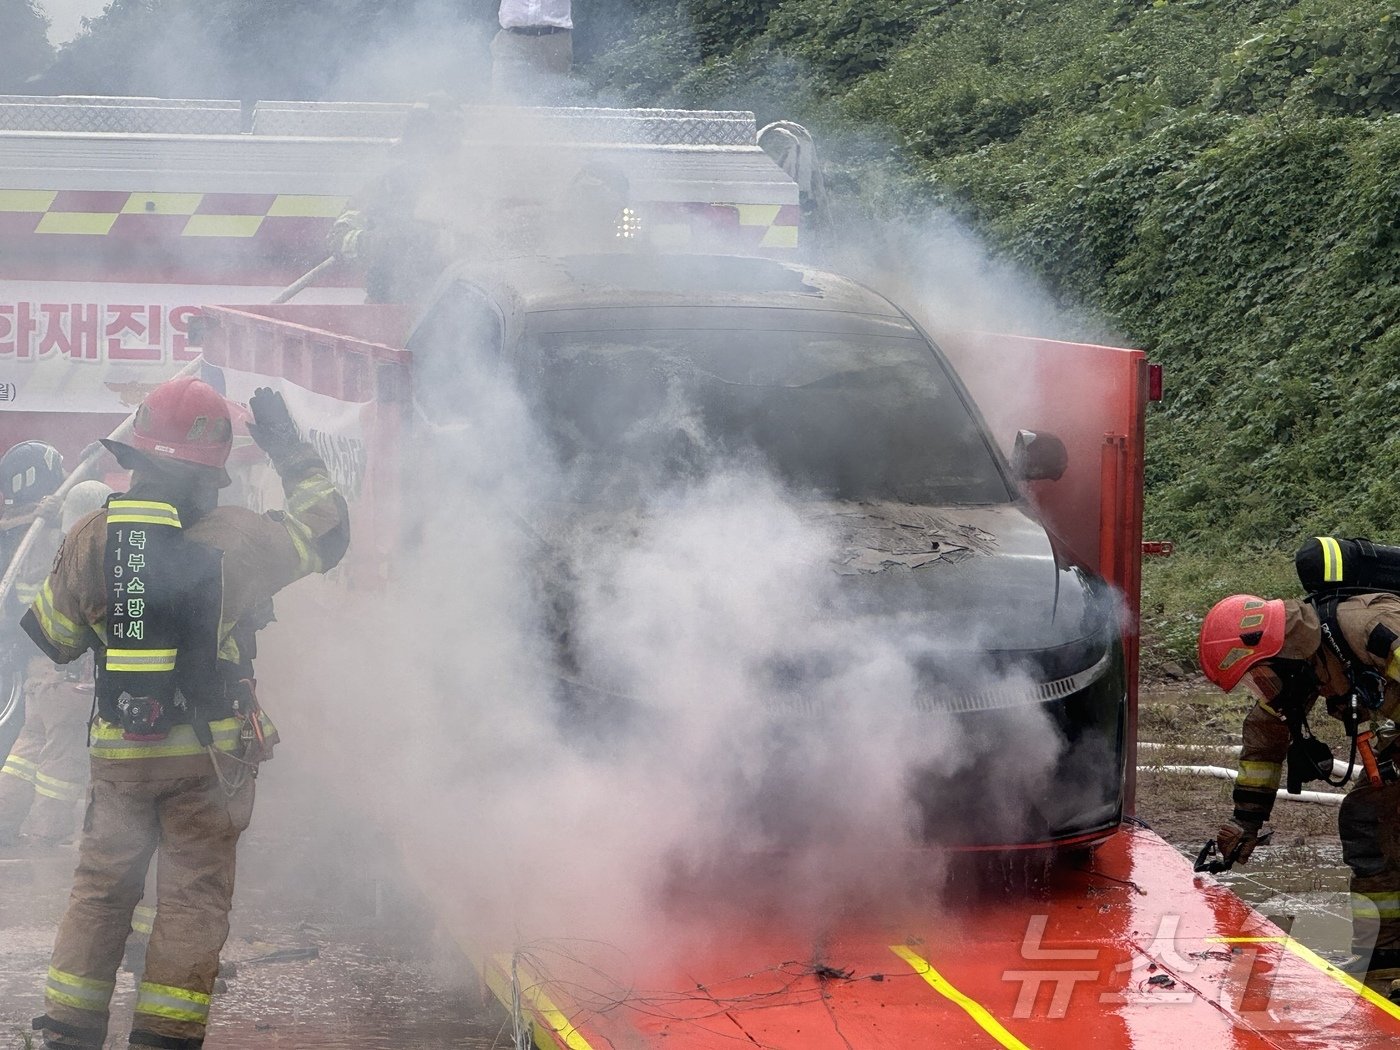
(1236, 834)
(272, 427)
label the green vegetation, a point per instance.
(1217, 181)
(24, 45)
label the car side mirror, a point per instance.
(1038, 456)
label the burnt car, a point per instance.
(839, 393)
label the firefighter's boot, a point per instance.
(55, 1035)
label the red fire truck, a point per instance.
(120, 217)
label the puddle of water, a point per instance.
(375, 985)
(355, 996)
(1303, 889)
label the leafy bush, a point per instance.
(1337, 59)
(842, 40)
(1178, 591)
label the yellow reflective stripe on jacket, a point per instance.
(20, 767)
(62, 790)
(141, 659)
(1331, 559)
(81, 993)
(306, 494)
(228, 648)
(142, 512)
(309, 492)
(27, 592)
(108, 741)
(59, 629)
(308, 561)
(143, 919)
(177, 1004)
(1259, 775)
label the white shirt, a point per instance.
(518, 14)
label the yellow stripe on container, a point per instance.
(561, 1032)
(970, 1006)
(1309, 956)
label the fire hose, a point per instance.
(290, 292)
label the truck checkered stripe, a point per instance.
(672, 225)
(778, 223)
(103, 213)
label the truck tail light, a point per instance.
(1154, 382)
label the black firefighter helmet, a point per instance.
(29, 472)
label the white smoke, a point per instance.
(672, 770)
(675, 760)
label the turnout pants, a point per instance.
(45, 775)
(195, 826)
(1369, 825)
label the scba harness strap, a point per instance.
(164, 600)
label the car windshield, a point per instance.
(839, 416)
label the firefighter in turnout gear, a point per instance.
(1290, 657)
(161, 584)
(392, 229)
(30, 473)
(46, 771)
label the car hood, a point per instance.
(983, 579)
(971, 589)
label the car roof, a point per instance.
(643, 279)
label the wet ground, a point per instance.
(1298, 881)
(327, 956)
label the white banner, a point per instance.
(78, 347)
(333, 426)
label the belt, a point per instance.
(536, 30)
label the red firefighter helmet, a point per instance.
(1238, 633)
(183, 419)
